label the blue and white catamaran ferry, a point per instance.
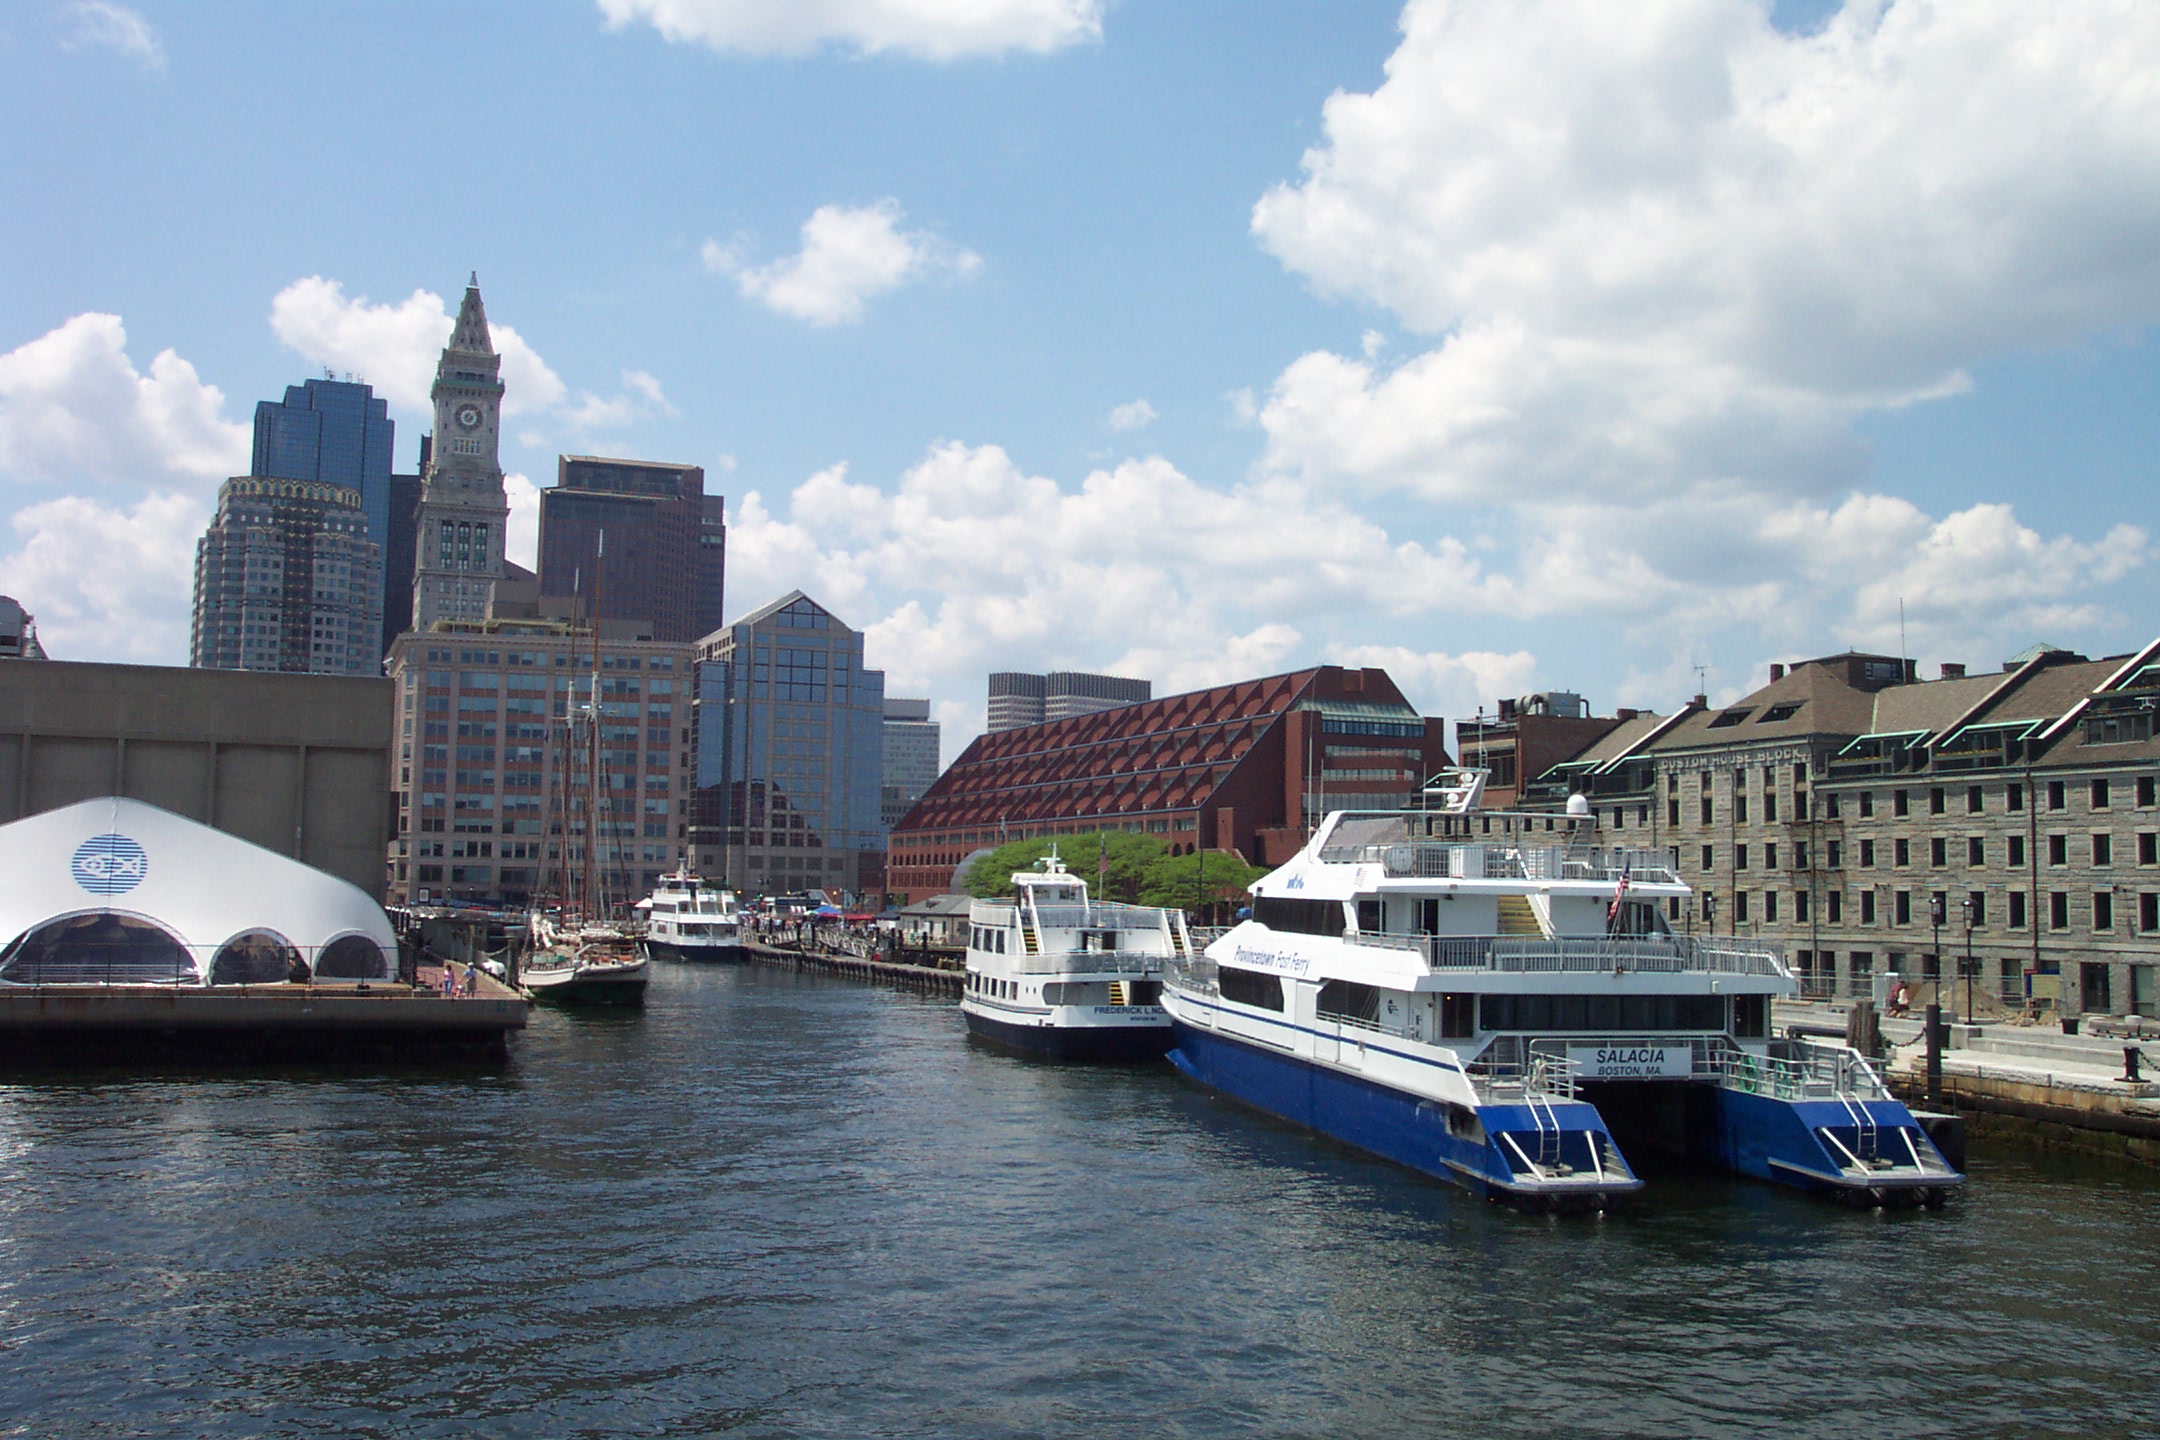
(1053, 973)
(1475, 994)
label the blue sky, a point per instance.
(1567, 345)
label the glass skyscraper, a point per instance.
(333, 432)
(790, 754)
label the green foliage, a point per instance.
(1130, 856)
(1209, 879)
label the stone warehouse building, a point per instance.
(1845, 806)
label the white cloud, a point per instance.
(930, 29)
(109, 582)
(75, 411)
(396, 347)
(1454, 686)
(521, 532)
(849, 255)
(1133, 415)
(1666, 257)
(640, 398)
(116, 28)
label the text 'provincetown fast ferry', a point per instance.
(1475, 994)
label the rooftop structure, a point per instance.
(18, 632)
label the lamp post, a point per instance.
(1709, 914)
(1965, 908)
(1935, 917)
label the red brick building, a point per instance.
(1248, 767)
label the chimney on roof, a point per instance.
(1777, 672)
(1952, 670)
(1624, 713)
(1700, 702)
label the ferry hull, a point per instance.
(1072, 1042)
(732, 953)
(1404, 1128)
(1814, 1144)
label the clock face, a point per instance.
(468, 416)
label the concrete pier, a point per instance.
(252, 1024)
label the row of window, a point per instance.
(2097, 849)
(2098, 909)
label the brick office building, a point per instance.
(1248, 767)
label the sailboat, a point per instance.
(578, 957)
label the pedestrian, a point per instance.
(472, 977)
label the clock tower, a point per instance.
(458, 544)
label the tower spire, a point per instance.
(471, 330)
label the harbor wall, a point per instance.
(298, 764)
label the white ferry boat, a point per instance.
(686, 919)
(1474, 994)
(1051, 972)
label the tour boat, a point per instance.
(1475, 994)
(1053, 973)
(686, 919)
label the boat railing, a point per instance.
(1099, 917)
(1585, 954)
(1089, 962)
(1795, 1069)
(1522, 1075)
(1459, 860)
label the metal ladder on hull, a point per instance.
(1541, 1113)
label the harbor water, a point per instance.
(776, 1205)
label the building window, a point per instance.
(1977, 899)
(2148, 848)
(1900, 804)
(2145, 796)
(2055, 795)
(1706, 810)
(1739, 857)
(1800, 907)
(1709, 907)
(1739, 907)
(1769, 806)
(2058, 849)
(1935, 801)
(1672, 813)
(2103, 909)
(1867, 907)
(1769, 856)
(1975, 850)
(2017, 851)
(1830, 807)
(1901, 908)
(1769, 907)
(1937, 852)
(1867, 854)
(2103, 850)
(2014, 798)
(1867, 804)
(2099, 794)
(1739, 806)
(1709, 856)
(2017, 909)
(1835, 903)
(1974, 803)
(1833, 853)
(2058, 910)
(1901, 852)
(2148, 912)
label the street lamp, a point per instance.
(1935, 917)
(1965, 907)
(1709, 913)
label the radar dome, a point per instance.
(1578, 804)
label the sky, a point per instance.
(1511, 345)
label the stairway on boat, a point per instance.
(1517, 918)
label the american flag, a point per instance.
(1619, 894)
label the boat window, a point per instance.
(98, 949)
(1750, 1016)
(352, 957)
(1368, 917)
(1610, 1013)
(1458, 1016)
(1144, 992)
(1348, 1000)
(259, 957)
(1299, 917)
(1249, 987)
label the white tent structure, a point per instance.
(116, 892)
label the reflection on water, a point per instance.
(780, 1205)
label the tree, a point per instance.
(1130, 855)
(1209, 880)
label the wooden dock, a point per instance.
(922, 979)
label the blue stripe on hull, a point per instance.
(1091, 1042)
(1372, 1117)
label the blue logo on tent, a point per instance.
(110, 864)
